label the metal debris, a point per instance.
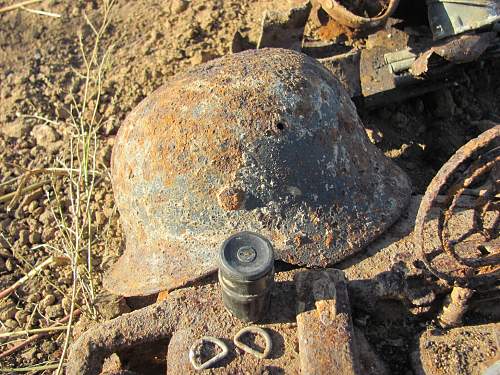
(459, 50)
(324, 324)
(473, 258)
(212, 361)
(455, 307)
(350, 14)
(258, 331)
(243, 124)
(451, 17)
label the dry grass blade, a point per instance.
(41, 12)
(18, 5)
(27, 332)
(30, 368)
(51, 260)
(36, 337)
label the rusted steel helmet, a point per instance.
(266, 141)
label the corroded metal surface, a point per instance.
(473, 257)
(324, 324)
(266, 141)
(347, 14)
(187, 314)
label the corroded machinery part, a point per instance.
(340, 13)
(266, 141)
(472, 258)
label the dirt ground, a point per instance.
(147, 42)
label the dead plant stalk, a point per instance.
(77, 229)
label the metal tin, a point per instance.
(246, 275)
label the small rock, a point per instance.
(8, 311)
(34, 298)
(46, 217)
(110, 306)
(10, 264)
(200, 57)
(16, 129)
(29, 355)
(44, 135)
(21, 317)
(179, 6)
(47, 301)
(11, 324)
(48, 347)
(54, 311)
(66, 304)
(32, 206)
(35, 238)
(23, 237)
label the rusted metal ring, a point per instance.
(212, 361)
(472, 161)
(259, 331)
(347, 18)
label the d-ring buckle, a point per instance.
(212, 361)
(259, 331)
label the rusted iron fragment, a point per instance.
(459, 50)
(266, 141)
(472, 257)
(324, 324)
(345, 68)
(352, 13)
(284, 30)
(460, 351)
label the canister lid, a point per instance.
(246, 256)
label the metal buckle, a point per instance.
(212, 361)
(259, 331)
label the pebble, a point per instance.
(10, 264)
(21, 317)
(7, 312)
(47, 301)
(16, 129)
(35, 238)
(11, 324)
(34, 298)
(53, 311)
(44, 135)
(48, 347)
(29, 355)
(23, 237)
(179, 6)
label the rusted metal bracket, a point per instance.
(324, 324)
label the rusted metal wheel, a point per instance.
(471, 258)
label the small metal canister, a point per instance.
(246, 275)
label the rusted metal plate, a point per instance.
(324, 324)
(266, 141)
(471, 258)
(459, 50)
